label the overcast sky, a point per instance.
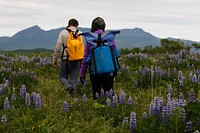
(162, 18)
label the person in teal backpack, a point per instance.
(99, 80)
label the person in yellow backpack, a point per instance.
(70, 62)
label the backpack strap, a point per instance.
(74, 33)
(63, 50)
(99, 41)
(64, 47)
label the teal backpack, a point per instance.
(103, 56)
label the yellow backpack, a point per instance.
(75, 46)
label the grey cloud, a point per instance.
(155, 16)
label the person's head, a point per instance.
(98, 23)
(73, 22)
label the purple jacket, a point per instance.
(84, 65)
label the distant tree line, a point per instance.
(170, 46)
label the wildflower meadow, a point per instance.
(157, 90)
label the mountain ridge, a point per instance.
(35, 37)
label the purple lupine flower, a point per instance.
(65, 106)
(133, 121)
(111, 93)
(102, 92)
(154, 110)
(27, 100)
(14, 73)
(168, 72)
(3, 119)
(84, 98)
(123, 68)
(194, 78)
(198, 78)
(14, 97)
(125, 121)
(20, 72)
(191, 97)
(38, 102)
(32, 74)
(158, 107)
(165, 115)
(151, 109)
(140, 70)
(27, 72)
(76, 100)
(169, 107)
(33, 96)
(146, 69)
(136, 73)
(122, 97)
(161, 102)
(107, 94)
(1, 89)
(108, 102)
(6, 84)
(190, 76)
(189, 126)
(115, 100)
(130, 101)
(97, 95)
(168, 96)
(144, 115)
(182, 102)
(181, 96)
(182, 115)
(175, 104)
(170, 89)
(181, 83)
(6, 103)
(23, 91)
(180, 75)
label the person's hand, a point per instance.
(82, 79)
(54, 63)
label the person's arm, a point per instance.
(84, 64)
(57, 49)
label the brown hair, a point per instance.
(72, 22)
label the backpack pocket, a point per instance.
(104, 60)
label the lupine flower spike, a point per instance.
(3, 119)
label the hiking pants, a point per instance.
(105, 82)
(69, 73)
